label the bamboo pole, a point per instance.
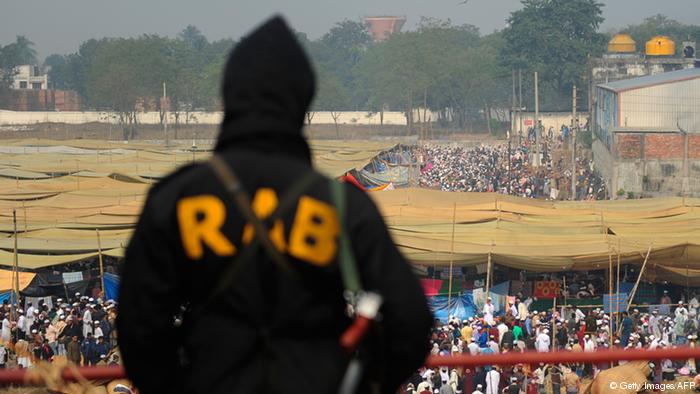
(452, 255)
(617, 301)
(639, 278)
(102, 271)
(610, 288)
(24, 209)
(566, 292)
(15, 273)
(488, 277)
(554, 324)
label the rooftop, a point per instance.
(652, 80)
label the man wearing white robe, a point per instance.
(543, 342)
(493, 379)
(22, 324)
(654, 322)
(522, 310)
(6, 330)
(29, 319)
(488, 311)
(87, 321)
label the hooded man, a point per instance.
(279, 316)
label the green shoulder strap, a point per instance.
(346, 258)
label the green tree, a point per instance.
(340, 50)
(15, 54)
(56, 65)
(18, 53)
(331, 96)
(126, 74)
(194, 38)
(554, 37)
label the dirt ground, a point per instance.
(101, 131)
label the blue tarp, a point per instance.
(5, 296)
(615, 307)
(462, 306)
(112, 286)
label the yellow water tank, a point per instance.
(622, 43)
(661, 46)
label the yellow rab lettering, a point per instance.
(264, 203)
(314, 232)
(200, 219)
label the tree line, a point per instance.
(455, 71)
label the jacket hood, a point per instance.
(268, 87)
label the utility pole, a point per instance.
(574, 126)
(536, 161)
(520, 105)
(513, 110)
(165, 116)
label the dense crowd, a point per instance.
(508, 170)
(81, 329)
(566, 329)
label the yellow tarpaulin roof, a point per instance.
(98, 185)
(540, 235)
(25, 278)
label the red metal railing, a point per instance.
(17, 376)
(514, 358)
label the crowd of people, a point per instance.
(508, 170)
(566, 329)
(81, 329)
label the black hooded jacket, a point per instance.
(270, 332)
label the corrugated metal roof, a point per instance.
(651, 80)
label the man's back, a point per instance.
(271, 328)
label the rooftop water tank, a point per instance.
(622, 43)
(660, 46)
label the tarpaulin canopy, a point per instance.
(541, 235)
(91, 185)
(461, 306)
(111, 286)
(61, 192)
(25, 278)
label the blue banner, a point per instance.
(614, 306)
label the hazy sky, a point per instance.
(60, 26)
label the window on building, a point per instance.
(36, 71)
(36, 85)
(22, 84)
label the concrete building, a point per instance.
(30, 77)
(648, 134)
(381, 27)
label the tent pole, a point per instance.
(15, 274)
(639, 278)
(452, 258)
(610, 291)
(687, 276)
(488, 276)
(24, 208)
(102, 271)
(566, 294)
(617, 301)
(554, 326)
